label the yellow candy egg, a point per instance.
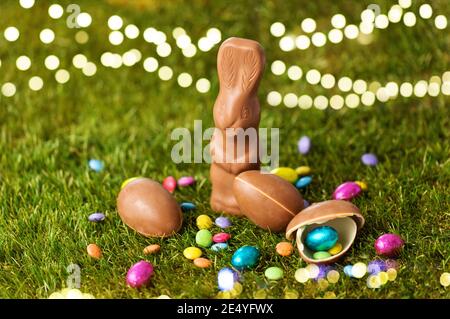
(336, 249)
(362, 185)
(303, 170)
(286, 173)
(192, 253)
(204, 222)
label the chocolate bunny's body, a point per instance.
(240, 65)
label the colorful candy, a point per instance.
(285, 173)
(139, 274)
(187, 206)
(94, 251)
(219, 246)
(347, 191)
(303, 170)
(321, 238)
(336, 249)
(170, 184)
(319, 255)
(152, 249)
(284, 248)
(204, 238)
(361, 184)
(221, 237)
(96, 165)
(186, 181)
(245, 257)
(202, 262)
(204, 222)
(369, 159)
(389, 245)
(274, 273)
(192, 253)
(226, 278)
(222, 222)
(96, 217)
(304, 145)
(303, 182)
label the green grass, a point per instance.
(124, 117)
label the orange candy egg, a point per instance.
(284, 248)
(152, 249)
(94, 251)
(202, 262)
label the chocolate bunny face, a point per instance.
(240, 66)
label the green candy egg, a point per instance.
(274, 273)
(321, 255)
(204, 238)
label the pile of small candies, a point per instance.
(323, 240)
(300, 176)
(68, 293)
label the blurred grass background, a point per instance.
(124, 117)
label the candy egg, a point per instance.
(96, 165)
(226, 278)
(152, 249)
(369, 159)
(139, 274)
(94, 251)
(186, 181)
(204, 238)
(170, 183)
(361, 184)
(186, 206)
(145, 206)
(219, 246)
(266, 199)
(284, 248)
(286, 173)
(347, 191)
(303, 182)
(223, 222)
(221, 237)
(303, 170)
(202, 262)
(389, 245)
(96, 217)
(321, 238)
(319, 255)
(341, 215)
(336, 249)
(204, 222)
(274, 273)
(245, 257)
(304, 145)
(192, 253)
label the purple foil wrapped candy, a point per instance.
(139, 274)
(347, 191)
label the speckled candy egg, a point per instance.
(221, 237)
(226, 278)
(219, 246)
(245, 257)
(139, 274)
(347, 191)
(389, 245)
(321, 238)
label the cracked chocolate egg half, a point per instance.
(341, 215)
(145, 206)
(267, 200)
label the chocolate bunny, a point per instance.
(240, 65)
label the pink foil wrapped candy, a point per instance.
(347, 191)
(389, 245)
(186, 181)
(139, 274)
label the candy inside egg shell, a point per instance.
(341, 215)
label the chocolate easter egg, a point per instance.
(266, 199)
(145, 206)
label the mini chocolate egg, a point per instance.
(204, 222)
(186, 181)
(347, 191)
(94, 251)
(186, 206)
(303, 182)
(152, 249)
(284, 248)
(222, 222)
(245, 257)
(389, 245)
(304, 145)
(139, 274)
(221, 237)
(286, 173)
(219, 246)
(204, 238)
(266, 199)
(321, 238)
(145, 206)
(170, 184)
(226, 278)
(96, 217)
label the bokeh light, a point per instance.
(203, 85)
(336, 102)
(319, 39)
(409, 19)
(47, 36)
(81, 37)
(84, 19)
(115, 22)
(184, 80)
(406, 89)
(131, 31)
(164, 49)
(305, 102)
(352, 100)
(351, 31)
(425, 11)
(313, 76)
(302, 42)
(62, 76)
(277, 29)
(290, 100)
(8, 89)
(150, 64)
(11, 34)
(36, 83)
(320, 102)
(274, 98)
(335, 36)
(23, 63)
(89, 69)
(55, 11)
(440, 22)
(295, 73)
(287, 43)
(278, 67)
(345, 84)
(79, 61)
(116, 37)
(368, 98)
(308, 25)
(381, 21)
(328, 81)
(395, 13)
(338, 21)
(51, 62)
(26, 4)
(165, 73)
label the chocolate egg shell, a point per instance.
(343, 216)
(145, 206)
(266, 199)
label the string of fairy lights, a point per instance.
(352, 92)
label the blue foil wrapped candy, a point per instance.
(321, 238)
